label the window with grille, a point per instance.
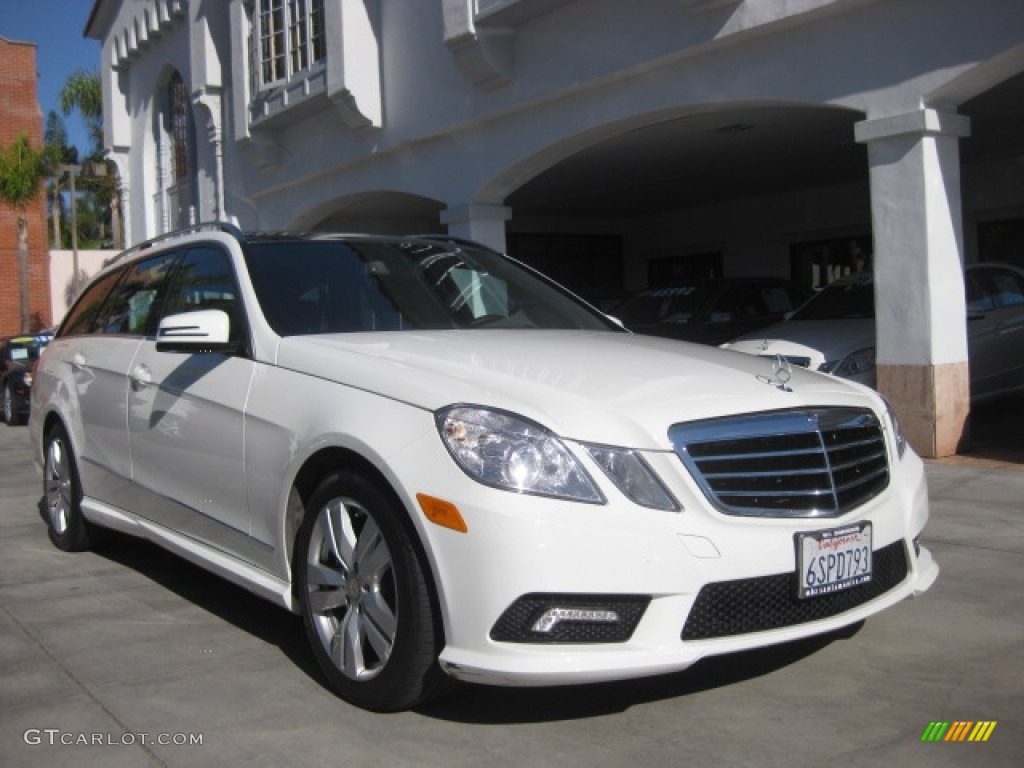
(179, 128)
(288, 38)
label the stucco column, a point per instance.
(919, 285)
(483, 223)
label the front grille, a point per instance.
(739, 607)
(802, 463)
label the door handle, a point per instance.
(141, 376)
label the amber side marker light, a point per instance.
(443, 513)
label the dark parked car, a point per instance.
(713, 310)
(18, 355)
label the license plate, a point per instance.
(830, 561)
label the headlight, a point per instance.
(506, 451)
(897, 430)
(633, 477)
(855, 364)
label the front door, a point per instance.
(186, 416)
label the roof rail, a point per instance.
(205, 226)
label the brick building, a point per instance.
(19, 112)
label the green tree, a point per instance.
(83, 92)
(55, 136)
(22, 168)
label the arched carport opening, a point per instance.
(736, 186)
(757, 187)
(383, 212)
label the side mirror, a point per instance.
(205, 330)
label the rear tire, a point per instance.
(366, 602)
(62, 490)
(11, 415)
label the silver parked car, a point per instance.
(835, 331)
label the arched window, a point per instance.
(176, 194)
(180, 118)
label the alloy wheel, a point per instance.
(351, 584)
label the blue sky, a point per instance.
(55, 26)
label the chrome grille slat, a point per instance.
(813, 462)
(793, 472)
(755, 494)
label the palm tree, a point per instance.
(55, 137)
(83, 91)
(22, 167)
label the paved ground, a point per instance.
(109, 647)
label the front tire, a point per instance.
(365, 599)
(68, 528)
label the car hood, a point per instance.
(817, 340)
(604, 387)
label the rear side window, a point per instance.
(83, 316)
(130, 309)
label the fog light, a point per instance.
(552, 617)
(570, 618)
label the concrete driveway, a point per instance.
(131, 657)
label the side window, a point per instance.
(206, 280)
(778, 298)
(739, 303)
(83, 316)
(979, 295)
(1009, 288)
(130, 309)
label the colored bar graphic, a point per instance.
(958, 730)
(982, 730)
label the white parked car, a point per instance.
(449, 466)
(834, 332)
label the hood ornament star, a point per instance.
(782, 372)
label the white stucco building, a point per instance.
(610, 143)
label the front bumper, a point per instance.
(520, 546)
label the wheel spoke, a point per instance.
(371, 554)
(380, 624)
(348, 654)
(340, 535)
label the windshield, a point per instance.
(664, 305)
(852, 297)
(334, 286)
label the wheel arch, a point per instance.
(309, 476)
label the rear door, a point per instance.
(94, 351)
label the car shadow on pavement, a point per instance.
(225, 600)
(466, 703)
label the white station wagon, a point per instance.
(452, 468)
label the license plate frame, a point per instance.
(833, 560)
